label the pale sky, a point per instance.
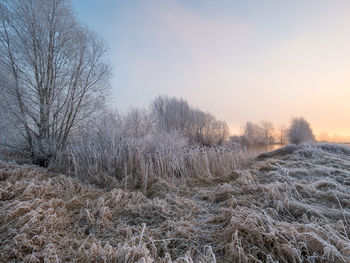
(246, 60)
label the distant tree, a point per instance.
(256, 134)
(138, 122)
(268, 131)
(300, 131)
(250, 133)
(281, 134)
(206, 129)
(173, 114)
(57, 70)
(239, 140)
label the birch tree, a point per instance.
(57, 71)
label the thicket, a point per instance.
(135, 148)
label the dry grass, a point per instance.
(285, 207)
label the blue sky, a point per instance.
(241, 60)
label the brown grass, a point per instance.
(282, 208)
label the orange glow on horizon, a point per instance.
(320, 135)
(339, 137)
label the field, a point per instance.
(290, 205)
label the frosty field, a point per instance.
(290, 205)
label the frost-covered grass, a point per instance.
(120, 148)
(291, 205)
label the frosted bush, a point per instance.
(300, 131)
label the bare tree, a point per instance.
(172, 114)
(281, 135)
(138, 122)
(258, 134)
(254, 134)
(268, 131)
(57, 69)
(300, 131)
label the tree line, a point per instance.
(265, 133)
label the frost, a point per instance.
(291, 205)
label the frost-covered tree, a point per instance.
(9, 130)
(281, 134)
(268, 130)
(138, 122)
(172, 114)
(57, 69)
(300, 131)
(257, 134)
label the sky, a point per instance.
(248, 60)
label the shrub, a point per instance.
(300, 131)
